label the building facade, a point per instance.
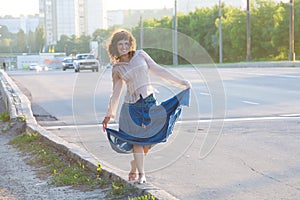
(71, 17)
(14, 25)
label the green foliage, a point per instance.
(73, 45)
(269, 32)
(4, 117)
(118, 188)
(143, 197)
(22, 141)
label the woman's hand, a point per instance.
(105, 122)
(187, 84)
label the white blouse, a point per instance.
(136, 76)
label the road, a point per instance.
(239, 139)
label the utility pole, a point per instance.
(248, 58)
(220, 34)
(142, 33)
(292, 51)
(175, 42)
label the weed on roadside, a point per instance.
(4, 116)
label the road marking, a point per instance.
(290, 115)
(205, 93)
(114, 125)
(242, 119)
(250, 102)
(270, 75)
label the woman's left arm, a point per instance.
(165, 74)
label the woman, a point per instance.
(142, 123)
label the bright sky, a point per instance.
(26, 7)
(17, 7)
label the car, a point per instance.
(67, 63)
(86, 62)
(35, 66)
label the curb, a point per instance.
(18, 105)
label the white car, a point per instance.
(35, 66)
(86, 62)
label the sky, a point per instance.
(29, 7)
(26, 7)
(17, 7)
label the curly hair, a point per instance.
(120, 34)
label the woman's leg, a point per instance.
(138, 154)
(146, 149)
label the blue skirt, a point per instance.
(146, 123)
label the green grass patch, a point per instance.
(4, 116)
(143, 197)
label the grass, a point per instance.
(4, 117)
(64, 171)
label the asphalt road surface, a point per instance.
(239, 139)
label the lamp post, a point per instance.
(291, 29)
(220, 34)
(175, 42)
(292, 53)
(142, 32)
(248, 58)
(100, 41)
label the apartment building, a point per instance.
(27, 24)
(71, 17)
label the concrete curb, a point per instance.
(19, 107)
(261, 64)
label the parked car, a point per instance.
(86, 62)
(67, 63)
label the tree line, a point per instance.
(269, 34)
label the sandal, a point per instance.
(141, 179)
(132, 176)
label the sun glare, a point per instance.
(19, 7)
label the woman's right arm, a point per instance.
(114, 98)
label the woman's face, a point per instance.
(123, 47)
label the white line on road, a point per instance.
(251, 102)
(280, 117)
(268, 74)
(290, 115)
(205, 93)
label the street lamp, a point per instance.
(220, 35)
(175, 42)
(248, 58)
(100, 42)
(291, 31)
(292, 53)
(141, 32)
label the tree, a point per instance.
(5, 40)
(234, 34)
(19, 43)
